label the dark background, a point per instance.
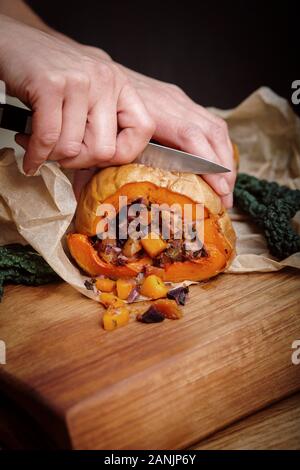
(218, 52)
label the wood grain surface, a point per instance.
(275, 428)
(155, 386)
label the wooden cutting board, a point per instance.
(156, 386)
(277, 427)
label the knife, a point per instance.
(18, 119)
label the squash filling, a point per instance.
(165, 244)
(173, 257)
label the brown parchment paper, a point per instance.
(39, 210)
(267, 132)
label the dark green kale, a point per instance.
(23, 265)
(271, 207)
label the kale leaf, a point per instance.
(271, 207)
(23, 265)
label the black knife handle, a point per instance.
(15, 119)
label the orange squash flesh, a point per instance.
(197, 270)
(87, 258)
(153, 287)
(168, 308)
(105, 285)
(114, 317)
(217, 247)
(203, 268)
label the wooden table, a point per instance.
(277, 427)
(199, 382)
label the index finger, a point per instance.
(46, 129)
(136, 126)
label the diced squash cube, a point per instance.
(105, 284)
(153, 287)
(124, 287)
(153, 244)
(114, 317)
(110, 300)
(168, 308)
(131, 247)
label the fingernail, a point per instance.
(30, 172)
(224, 186)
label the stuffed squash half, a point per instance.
(170, 258)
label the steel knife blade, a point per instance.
(157, 156)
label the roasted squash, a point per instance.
(153, 186)
(153, 287)
(110, 300)
(153, 244)
(87, 258)
(124, 287)
(114, 317)
(168, 308)
(131, 247)
(105, 284)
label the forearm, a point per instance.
(19, 11)
(28, 48)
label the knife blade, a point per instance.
(167, 158)
(158, 156)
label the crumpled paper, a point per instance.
(267, 133)
(39, 210)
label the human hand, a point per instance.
(85, 111)
(181, 123)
